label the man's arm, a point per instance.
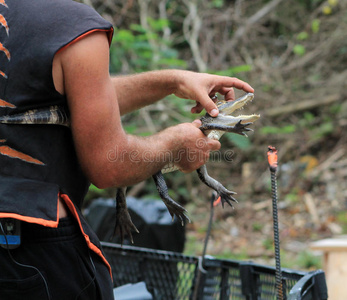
(136, 91)
(107, 154)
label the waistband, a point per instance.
(67, 229)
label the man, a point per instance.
(56, 53)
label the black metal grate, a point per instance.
(170, 275)
(234, 286)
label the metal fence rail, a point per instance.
(171, 275)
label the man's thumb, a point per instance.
(197, 123)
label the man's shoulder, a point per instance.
(41, 10)
(54, 21)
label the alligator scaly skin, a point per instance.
(53, 115)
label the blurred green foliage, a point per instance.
(138, 49)
(307, 260)
(233, 71)
(278, 129)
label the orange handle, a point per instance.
(272, 158)
(217, 201)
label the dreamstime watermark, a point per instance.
(190, 155)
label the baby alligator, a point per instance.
(214, 128)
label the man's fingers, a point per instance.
(197, 123)
(215, 145)
(230, 95)
(241, 85)
(209, 105)
(197, 108)
(226, 86)
(219, 84)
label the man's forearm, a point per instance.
(139, 90)
(133, 159)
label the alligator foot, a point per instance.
(124, 225)
(239, 128)
(226, 195)
(174, 208)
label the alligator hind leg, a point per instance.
(124, 225)
(226, 195)
(174, 208)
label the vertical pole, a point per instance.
(272, 158)
(201, 271)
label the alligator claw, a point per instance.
(239, 128)
(124, 225)
(176, 210)
(173, 207)
(225, 194)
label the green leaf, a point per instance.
(130, 129)
(169, 53)
(315, 25)
(93, 188)
(123, 36)
(142, 46)
(278, 130)
(299, 49)
(217, 3)
(138, 28)
(159, 24)
(309, 117)
(288, 129)
(172, 62)
(324, 129)
(302, 36)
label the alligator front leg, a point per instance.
(226, 195)
(239, 128)
(124, 225)
(174, 208)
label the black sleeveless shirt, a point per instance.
(39, 162)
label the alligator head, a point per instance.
(215, 127)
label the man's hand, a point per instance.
(192, 147)
(139, 90)
(201, 87)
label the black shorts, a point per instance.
(67, 268)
